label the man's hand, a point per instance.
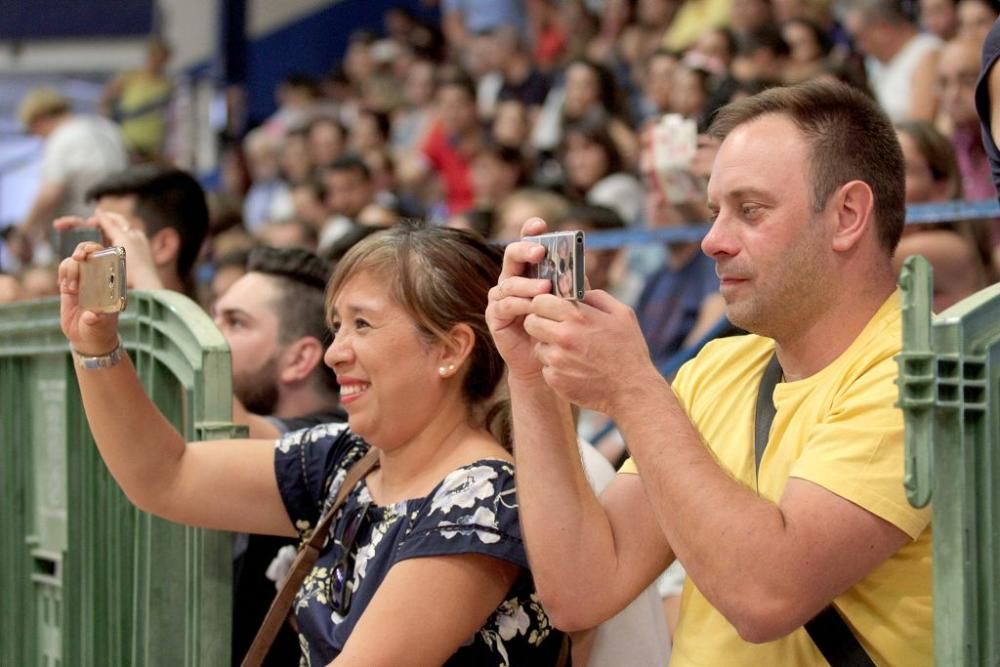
(511, 299)
(592, 352)
(118, 231)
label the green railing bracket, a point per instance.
(949, 377)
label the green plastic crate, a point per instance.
(85, 578)
(949, 377)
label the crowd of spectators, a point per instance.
(591, 114)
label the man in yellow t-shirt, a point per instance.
(807, 189)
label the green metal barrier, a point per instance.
(85, 578)
(949, 390)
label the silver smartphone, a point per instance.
(563, 262)
(102, 281)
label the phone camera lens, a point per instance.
(111, 280)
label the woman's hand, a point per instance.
(91, 334)
(511, 299)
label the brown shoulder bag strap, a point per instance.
(303, 564)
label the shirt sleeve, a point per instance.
(473, 511)
(310, 464)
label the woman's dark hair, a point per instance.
(822, 37)
(441, 278)
(610, 92)
(594, 128)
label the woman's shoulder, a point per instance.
(476, 483)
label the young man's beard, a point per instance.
(259, 394)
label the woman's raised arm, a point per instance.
(227, 485)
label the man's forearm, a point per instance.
(724, 534)
(567, 534)
(43, 208)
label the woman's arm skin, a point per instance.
(426, 608)
(227, 485)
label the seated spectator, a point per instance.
(589, 88)
(959, 252)
(268, 197)
(497, 171)
(412, 119)
(309, 202)
(426, 556)
(658, 84)
(454, 139)
(808, 47)
(512, 125)
(297, 96)
(296, 163)
(955, 259)
(957, 71)
(939, 18)
(524, 204)
(595, 172)
(288, 233)
(327, 141)
(521, 81)
(900, 60)
(975, 18)
(348, 190)
(370, 132)
(694, 482)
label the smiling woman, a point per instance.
(424, 562)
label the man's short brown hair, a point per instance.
(849, 138)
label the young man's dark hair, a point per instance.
(849, 139)
(350, 162)
(301, 278)
(166, 197)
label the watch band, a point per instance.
(103, 361)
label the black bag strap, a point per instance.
(828, 630)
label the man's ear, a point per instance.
(854, 207)
(165, 246)
(455, 349)
(299, 359)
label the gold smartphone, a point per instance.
(102, 281)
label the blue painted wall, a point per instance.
(54, 19)
(311, 46)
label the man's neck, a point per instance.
(810, 350)
(302, 401)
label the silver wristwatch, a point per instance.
(103, 361)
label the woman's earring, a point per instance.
(445, 371)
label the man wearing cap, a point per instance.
(80, 150)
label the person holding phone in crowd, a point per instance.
(424, 564)
(807, 196)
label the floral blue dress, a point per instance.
(472, 510)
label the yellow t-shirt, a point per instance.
(693, 18)
(838, 429)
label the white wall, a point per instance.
(192, 28)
